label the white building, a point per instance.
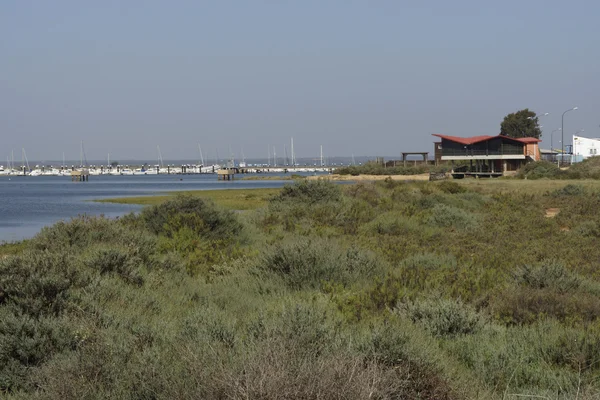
(584, 148)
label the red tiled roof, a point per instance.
(483, 138)
(463, 140)
(529, 140)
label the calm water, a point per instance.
(29, 203)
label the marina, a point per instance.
(28, 204)
(126, 170)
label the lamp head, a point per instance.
(575, 108)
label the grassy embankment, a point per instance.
(435, 290)
(238, 199)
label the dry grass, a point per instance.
(232, 199)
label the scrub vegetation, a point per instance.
(373, 168)
(385, 290)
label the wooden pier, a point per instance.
(226, 174)
(80, 175)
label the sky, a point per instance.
(356, 77)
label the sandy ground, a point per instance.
(336, 177)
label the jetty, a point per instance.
(80, 175)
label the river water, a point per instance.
(29, 203)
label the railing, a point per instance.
(474, 152)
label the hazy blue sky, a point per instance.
(362, 77)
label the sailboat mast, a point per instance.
(160, 160)
(274, 157)
(201, 156)
(321, 155)
(293, 156)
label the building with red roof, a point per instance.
(487, 154)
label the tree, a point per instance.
(114, 163)
(520, 124)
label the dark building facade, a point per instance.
(488, 153)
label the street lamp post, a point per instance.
(552, 139)
(562, 126)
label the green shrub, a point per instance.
(308, 263)
(451, 187)
(116, 260)
(539, 170)
(524, 360)
(587, 169)
(549, 274)
(194, 213)
(444, 216)
(443, 317)
(82, 232)
(569, 190)
(309, 191)
(526, 305)
(26, 342)
(588, 229)
(39, 283)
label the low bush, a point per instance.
(83, 232)
(39, 283)
(527, 305)
(451, 187)
(549, 274)
(587, 169)
(26, 342)
(308, 263)
(444, 216)
(310, 192)
(200, 216)
(117, 260)
(588, 229)
(539, 170)
(569, 190)
(443, 317)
